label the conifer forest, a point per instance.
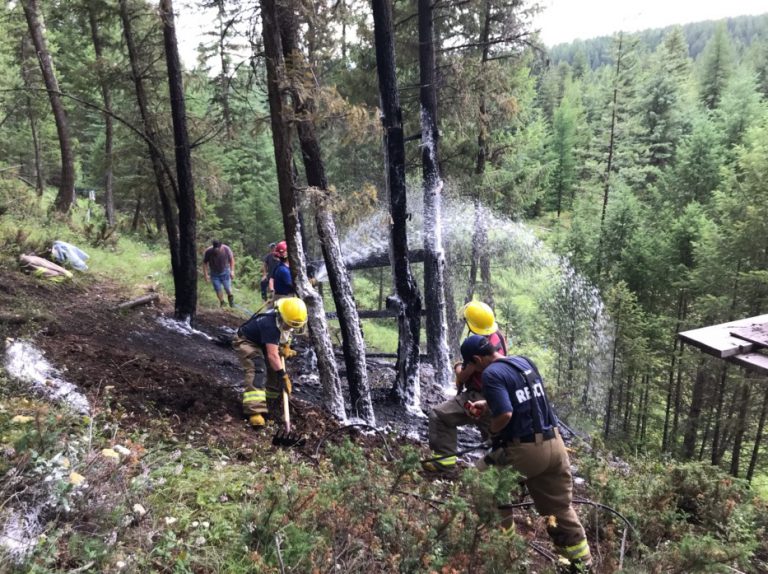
(600, 196)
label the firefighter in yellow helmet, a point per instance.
(446, 417)
(259, 344)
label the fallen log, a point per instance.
(143, 300)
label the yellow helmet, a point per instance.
(292, 311)
(479, 318)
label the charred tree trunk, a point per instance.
(185, 282)
(66, 196)
(614, 357)
(758, 439)
(281, 136)
(407, 300)
(338, 277)
(106, 96)
(166, 185)
(224, 26)
(434, 260)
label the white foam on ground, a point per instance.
(26, 363)
(182, 327)
(21, 531)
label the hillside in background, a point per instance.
(743, 30)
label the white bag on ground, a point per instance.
(67, 253)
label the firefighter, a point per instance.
(446, 417)
(259, 343)
(526, 437)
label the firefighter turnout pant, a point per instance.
(262, 385)
(547, 469)
(444, 421)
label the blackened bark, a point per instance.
(338, 277)
(281, 137)
(185, 283)
(66, 196)
(407, 301)
(106, 96)
(165, 185)
(434, 261)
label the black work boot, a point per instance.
(221, 303)
(231, 299)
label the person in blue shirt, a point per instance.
(281, 282)
(526, 437)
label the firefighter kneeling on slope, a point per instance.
(446, 417)
(526, 437)
(259, 343)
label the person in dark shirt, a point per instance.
(282, 282)
(446, 418)
(527, 438)
(219, 269)
(267, 267)
(259, 343)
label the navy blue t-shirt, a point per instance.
(283, 283)
(261, 329)
(505, 389)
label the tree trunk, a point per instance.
(758, 439)
(694, 413)
(671, 382)
(163, 179)
(224, 75)
(716, 434)
(338, 277)
(434, 260)
(281, 136)
(741, 427)
(66, 196)
(26, 50)
(106, 96)
(407, 300)
(185, 282)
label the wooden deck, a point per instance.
(744, 342)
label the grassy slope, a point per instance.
(204, 509)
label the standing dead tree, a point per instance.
(281, 114)
(407, 299)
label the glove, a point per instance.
(286, 351)
(287, 386)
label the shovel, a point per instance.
(285, 437)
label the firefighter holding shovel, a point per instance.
(262, 343)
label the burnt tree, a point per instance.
(349, 322)
(185, 278)
(434, 261)
(280, 115)
(66, 196)
(407, 300)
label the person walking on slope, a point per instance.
(527, 438)
(281, 282)
(259, 344)
(446, 417)
(218, 258)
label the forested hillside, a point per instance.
(601, 196)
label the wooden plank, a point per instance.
(752, 361)
(717, 339)
(757, 334)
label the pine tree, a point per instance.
(717, 68)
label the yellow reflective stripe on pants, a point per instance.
(447, 461)
(272, 395)
(254, 396)
(577, 551)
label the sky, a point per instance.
(567, 20)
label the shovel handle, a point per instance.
(286, 409)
